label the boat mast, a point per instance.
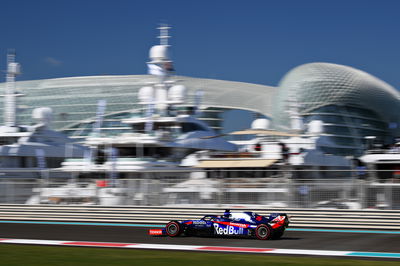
(296, 121)
(159, 66)
(10, 100)
(164, 35)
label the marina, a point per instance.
(29, 147)
(169, 153)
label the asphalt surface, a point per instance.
(372, 242)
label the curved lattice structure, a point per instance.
(74, 99)
(351, 103)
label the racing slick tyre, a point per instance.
(173, 228)
(263, 232)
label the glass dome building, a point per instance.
(74, 100)
(352, 104)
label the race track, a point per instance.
(365, 242)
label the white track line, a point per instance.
(201, 248)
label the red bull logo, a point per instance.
(228, 230)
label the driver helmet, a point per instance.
(227, 213)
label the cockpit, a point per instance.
(243, 216)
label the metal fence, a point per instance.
(279, 191)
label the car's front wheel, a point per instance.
(263, 232)
(173, 229)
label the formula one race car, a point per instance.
(248, 224)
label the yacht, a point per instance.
(265, 169)
(165, 133)
(27, 151)
(379, 166)
(270, 152)
(382, 161)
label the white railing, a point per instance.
(277, 191)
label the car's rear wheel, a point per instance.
(173, 228)
(263, 232)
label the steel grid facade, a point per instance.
(74, 100)
(315, 85)
(350, 102)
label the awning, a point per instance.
(235, 163)
(263, 132)
(255, 132)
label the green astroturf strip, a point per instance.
(46, 255)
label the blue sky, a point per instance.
(251, 41)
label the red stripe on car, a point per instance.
(279, 221)
(234, 224)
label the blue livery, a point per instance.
(245, 224)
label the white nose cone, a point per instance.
(260, 123)
(159, 54)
